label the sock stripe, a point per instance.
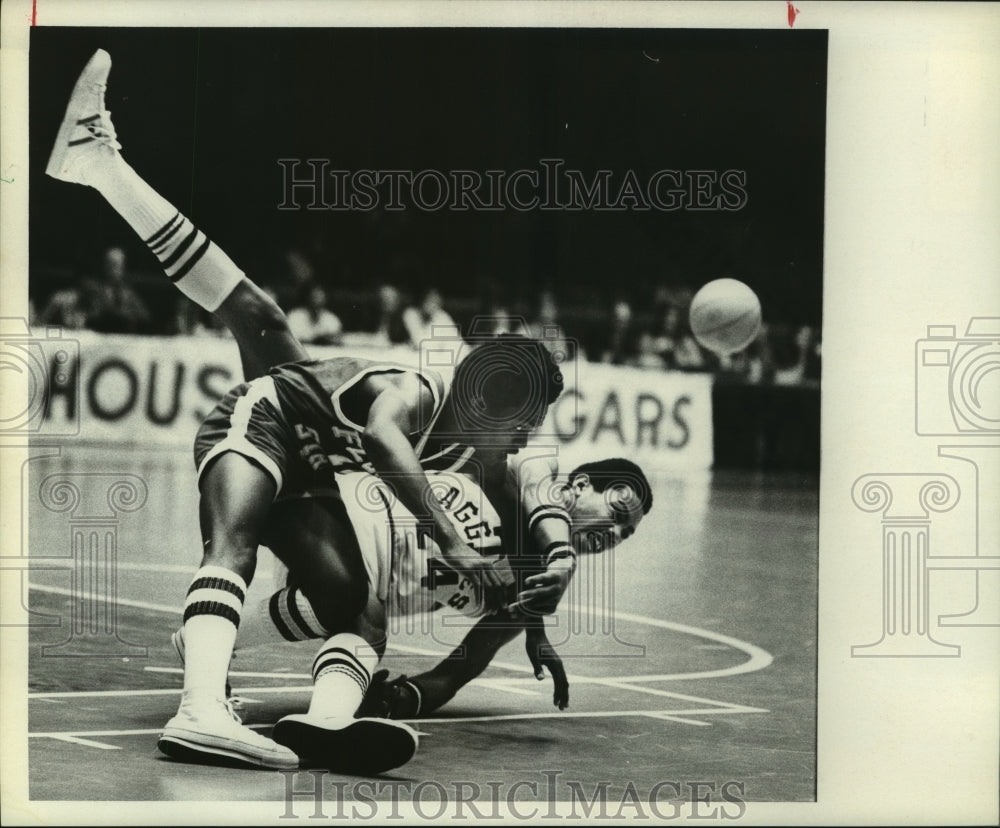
(274, 609)
(79, 141)
(185, 243)
(340, 665)
(152, 239)
(212, 608)
(329, 651)
(310, 620)
(88, 120)
(292, 604)
(158, 246)
(191, 262)
(205, 582)
(294, 627)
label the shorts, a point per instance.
(249, 421)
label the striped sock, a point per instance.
(285, 616)
(211, 617)
(342, 671)
(199, 269)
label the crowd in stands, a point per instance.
(115, 300)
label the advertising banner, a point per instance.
(128, 390)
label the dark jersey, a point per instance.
(323, 403)
(303, 423)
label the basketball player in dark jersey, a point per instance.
(268, 454)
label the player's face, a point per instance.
(503, 440)
(602, 520)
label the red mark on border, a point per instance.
(34, 11)
(792, 13)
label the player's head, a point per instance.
(607, 500)
(502, 390)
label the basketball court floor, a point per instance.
(706, 672)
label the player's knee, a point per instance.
(249, 307)
(336, 609)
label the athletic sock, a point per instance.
(342, 671)
(211, 617)
(197, 266)
(286, 616)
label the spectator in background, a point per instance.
(420, 320)
(622, 347)
(390, 329)
(312, 322)
(190, 320)
(115, 307)
(648, 354)
(670, 339)
(65, 308)
(496, 320)
(796, 357)
(809, 341)
(761, 358)
(546, 327)
(296, 273)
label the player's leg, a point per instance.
(340, 584)
(236, 494)
(87, 152)
(327, 586)
(329, 732)
(242, 455)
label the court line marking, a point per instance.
(76, 740)
(501, 684)
(758, 660)
(82, 736)
(125, 602)
(66, 694)
(493, 683)
(716, 708)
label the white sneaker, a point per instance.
(355, 746)
(204, 729)
(86, 135)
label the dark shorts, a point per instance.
(249, 422)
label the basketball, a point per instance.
(725, 316)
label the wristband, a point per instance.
(417, 694)
(540, 513)
(557, 550)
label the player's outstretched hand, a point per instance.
(543, 591)
(541, 654)
(387, 699)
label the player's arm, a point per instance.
(410, 697)
(394, 414)
(548, 525)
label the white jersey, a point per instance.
(404, 563)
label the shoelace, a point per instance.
(104, 130)
(229, 709)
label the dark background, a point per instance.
(204, 114)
